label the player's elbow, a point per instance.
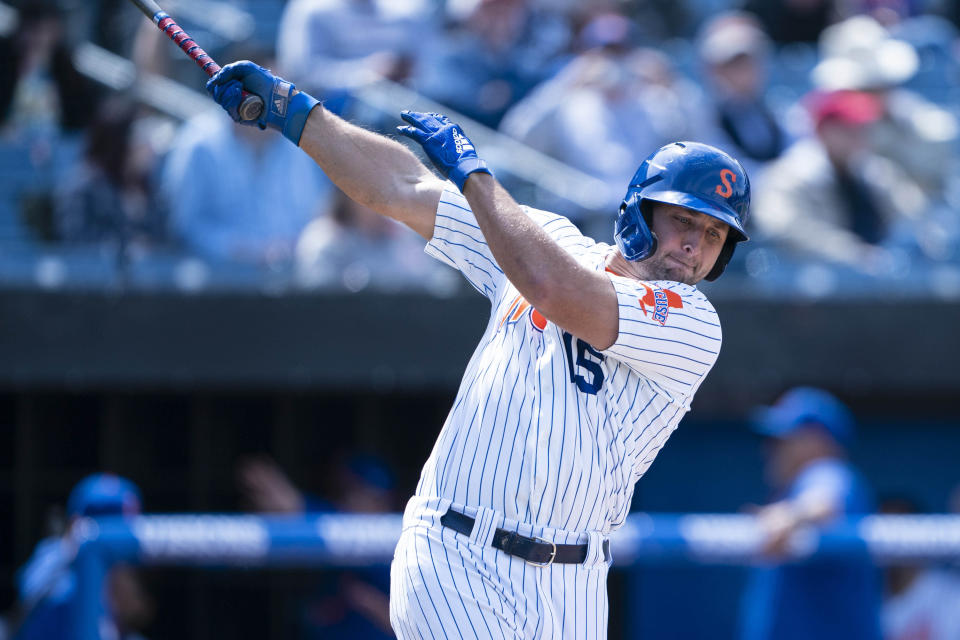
(537, 286)
(590, 318)
(405, 197)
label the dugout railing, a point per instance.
(247, 541)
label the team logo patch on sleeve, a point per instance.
(660, 301)
(518, 308)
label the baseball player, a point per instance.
(591, 357)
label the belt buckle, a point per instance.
(553, 554)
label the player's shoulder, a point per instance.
(563, 230)
(696, 307)
(542, 216)
(675, 304)
(694, 300)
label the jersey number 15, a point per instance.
(583, 362)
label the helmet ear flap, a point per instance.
(725, 254)
(632, 229)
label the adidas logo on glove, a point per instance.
(461, 142)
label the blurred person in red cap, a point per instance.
(47, 584)
(860, 54)
(828, 197)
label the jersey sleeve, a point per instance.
(564, 233)
(458, 242)
(669, 333)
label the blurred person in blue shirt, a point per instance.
(332, 45)
(814, 484)
(47, 583)
(235, 194)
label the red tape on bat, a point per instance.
(166, 24)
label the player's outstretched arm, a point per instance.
(371, 169)
(573, 297)
(374, 170)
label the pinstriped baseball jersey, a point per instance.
(545, 428)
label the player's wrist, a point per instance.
(301, 104)
(467, 167)
(286, 109)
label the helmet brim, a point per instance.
(700, 205)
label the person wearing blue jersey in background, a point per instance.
(47, 583)
(814, 484)
(591, 357)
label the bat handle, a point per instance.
(251, 105)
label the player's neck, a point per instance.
(617, 264)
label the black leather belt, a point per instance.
(533, 550)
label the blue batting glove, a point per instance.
(445, 144)
(283, 111)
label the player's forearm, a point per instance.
(373, 170)
(565, 292)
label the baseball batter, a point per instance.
(591, 357)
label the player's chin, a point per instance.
(686, 275)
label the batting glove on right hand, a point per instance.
(445, 144)
(283, 111)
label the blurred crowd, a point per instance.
(844, 113)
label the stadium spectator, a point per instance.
(828, 198)
(219, 179)
(110, 197)
(347, 604)
(859, 54)
(355, 248)
(600, 126)
(921, 602)
(493, 54)
(534, 119)
(47, 584)
(41, 91)
(331, 45)
(605, 107)
(734, 54)
(813, 482)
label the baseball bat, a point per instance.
(250, 107)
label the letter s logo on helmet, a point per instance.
(726, 177)
(684, 174)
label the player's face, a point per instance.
(688, 244)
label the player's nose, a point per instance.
(692, 242)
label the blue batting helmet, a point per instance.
(688, 174)
(104, 494)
